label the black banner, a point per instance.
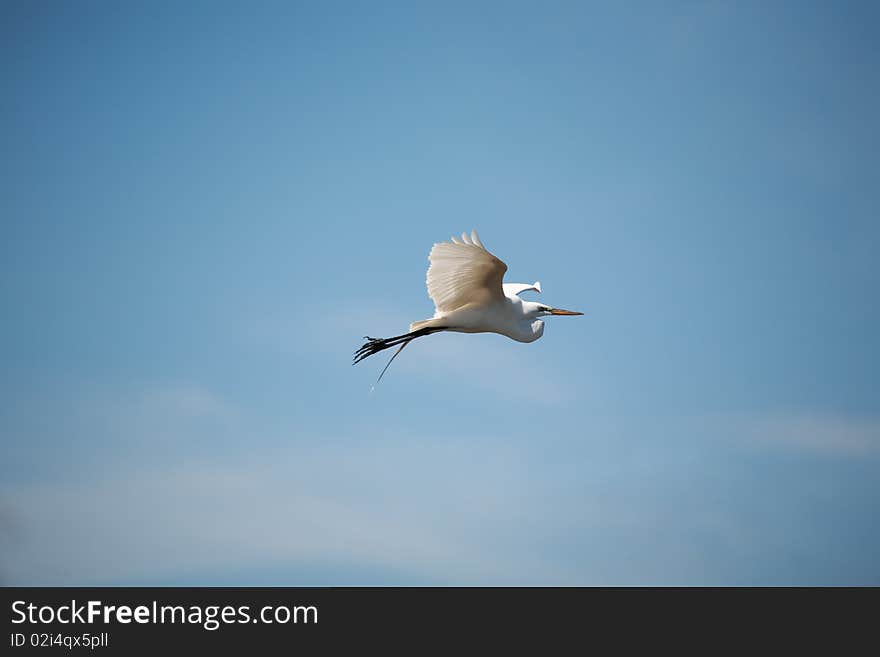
(127, 620)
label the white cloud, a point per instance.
(458, 509)
(190, 400)
(152, 508)
(833, 434)
(168, 410)
(355, 505)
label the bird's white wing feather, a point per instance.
(513, 289)
(464, 272)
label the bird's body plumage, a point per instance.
(464, 281)
(506, 317)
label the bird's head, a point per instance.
(533, 309)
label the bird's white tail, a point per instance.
(415, 326)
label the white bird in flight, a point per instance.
(465, 284)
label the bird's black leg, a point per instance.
(375, 345)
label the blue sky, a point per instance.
(205, 206)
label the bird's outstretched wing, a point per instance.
(464, 272)
(515, 289)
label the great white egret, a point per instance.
(464, 281)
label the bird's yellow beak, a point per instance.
(559, 311)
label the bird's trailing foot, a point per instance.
(375, 345)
